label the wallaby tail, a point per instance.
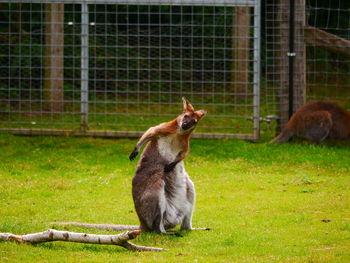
(284, 136)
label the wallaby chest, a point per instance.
(169, 147)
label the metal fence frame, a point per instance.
(84, 131)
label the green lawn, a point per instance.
(264, 202)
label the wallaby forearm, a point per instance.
(181, 155)
(160, 130)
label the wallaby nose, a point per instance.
(188, 125)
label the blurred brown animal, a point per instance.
(316, 121)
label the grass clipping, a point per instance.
(50, 235)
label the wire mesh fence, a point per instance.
(100, 68)
(321, 54)
(97, 67)
(328, 58)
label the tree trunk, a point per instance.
(241, 34)
(54, 37)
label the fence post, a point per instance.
(84, 109)
(241, 33)
(256, 67)
(300, 58)
(54, 41)
(296, 81)
(291, 56)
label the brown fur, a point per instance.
(160, 186)
(316, 121)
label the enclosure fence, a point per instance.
(115, 68)
(307, 55)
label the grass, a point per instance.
(264, 202)
(134, 115)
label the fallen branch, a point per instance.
(99, 226)
(56, 235)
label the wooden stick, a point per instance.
(99, 226)
(56, 235)
(110, 226)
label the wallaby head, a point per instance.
(189, 118)
(182, 126)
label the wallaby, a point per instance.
(163, 192)
(316, 121)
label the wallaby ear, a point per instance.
(201, 113)
(187, 105)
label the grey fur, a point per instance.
(162, 199)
